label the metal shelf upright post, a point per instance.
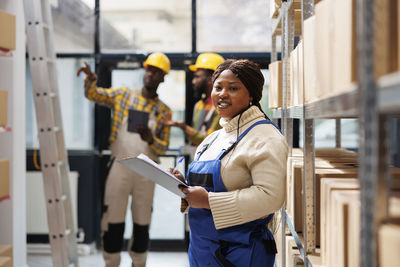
(309, 197)
(374, 126)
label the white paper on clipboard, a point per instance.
(149, 169)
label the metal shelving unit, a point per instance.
(372, 102)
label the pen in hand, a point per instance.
(177, 164)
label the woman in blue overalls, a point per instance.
(237, 180)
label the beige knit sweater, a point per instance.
(253, 173)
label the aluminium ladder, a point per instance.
(53, 155)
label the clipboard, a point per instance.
(146, 167)
(137, 118)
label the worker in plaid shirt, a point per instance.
(151, 140)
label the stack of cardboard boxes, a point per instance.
(6, 256)
(7, 43)
(330, 51)
(337, 207)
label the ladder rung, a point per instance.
(44, 25)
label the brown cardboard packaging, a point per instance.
(342, 203)
(6, 253)
(6, 250)
(386, 37)
(389, 244)
(291, 251)
(274, 8)
(319, 174)
(293, 78)
(326, 158)
(5, 262)
(398, 35)
(324, 21)
(328, 185)
(344, 45)
(3, 107)
(300, 74)
(275, 81)
(7, 30)
(310, 68)
(4, 178)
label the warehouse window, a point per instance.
(325, 133)
(145, 26)
(73, 22)
(77, 111)
(240, 26)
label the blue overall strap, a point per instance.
(205, 146)
(224, 152)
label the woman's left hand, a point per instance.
(196, 196)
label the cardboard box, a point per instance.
(340, 211)
(300, 73)
(398, 35)
(7, 30)
(6, 251)
(354, 234)
(328, 185)
(326, 158)
(310, 67)
(275, 82)
(292, 253)
(319, 174)
(4, 179)
(294, 185)
(5, 262)
(274, 8)
(3, 107)
(6, 254)
(344, 45)
(293, 77)
(389, 244)
(324, 21)
(394, 35)
(394, 207)
(386, 37)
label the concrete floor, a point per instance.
(154, 259)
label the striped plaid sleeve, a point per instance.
(161, 138)
(99, 95)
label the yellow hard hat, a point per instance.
(208, 61)
(158, 60)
